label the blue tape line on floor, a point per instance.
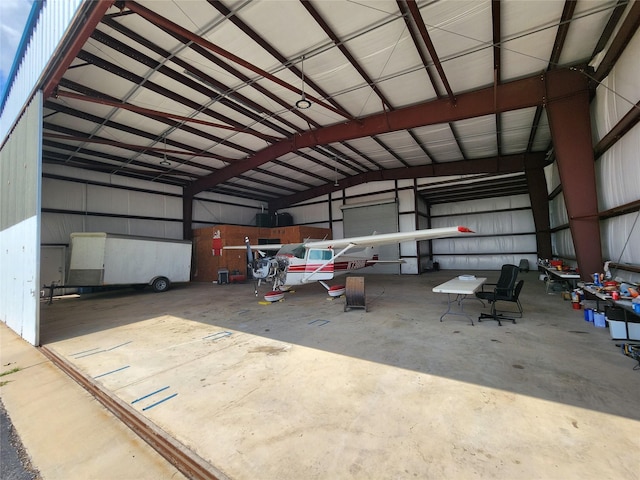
(218, 335)
(89, 354)
(159, 402)
(112, 371)
(324, 322)
(118, 346)
(85, 351)
(149, 395)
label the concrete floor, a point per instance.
(301, 389)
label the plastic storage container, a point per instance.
(599, 319)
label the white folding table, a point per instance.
(460, 287)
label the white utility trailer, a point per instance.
(105, 259)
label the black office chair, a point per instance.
(507, 289)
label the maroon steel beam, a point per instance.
(612, 23)
(508, 96)
(158, 113)
(345, 51)
(627, 122)
(187, 215)
(621, 40)
(558, 45)
(417, 18)
(136, 148)
(539, 198)
(503, 164)
(402, 6)
(274, 53)
(163, 22)
(569, 120)
(411, 27)
(497, 63)
(561, 34)
(285, 62)
(95, 14)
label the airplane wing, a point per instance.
(388, 238)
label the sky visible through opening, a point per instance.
(13, 19)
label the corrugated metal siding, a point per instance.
(20, 174)
(51, 26)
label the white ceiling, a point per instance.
(151, 70)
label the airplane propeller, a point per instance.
(252, 265)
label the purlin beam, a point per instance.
(627, 122)
(98, 10)
(620, 42)
(558, 45)
(503, 164)
(417, 18)
(148, 112)
(345, 51)
(508, 96)
(156, 19)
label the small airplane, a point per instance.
(321, 260)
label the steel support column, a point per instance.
(570, 125)
(187, 215)
(539, 198)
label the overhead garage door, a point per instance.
(366, 219)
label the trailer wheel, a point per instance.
(160, 284)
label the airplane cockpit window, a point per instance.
(320, 255)
(297, 250)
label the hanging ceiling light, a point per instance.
(164, 162)
(303, 103)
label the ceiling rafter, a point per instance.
(112, 124)
(507, 96)
(76, 87)
(206, 79)
(502, 165)
(426, 38)
(414, 21)
(284, 178)
(389, 150)
(345, 51)
(198, 86)
(284, 61)
(150, 151)
(275, 54)
(218, 85)
(136, 148)
(248, 178)
(156, 19)
(277, 153)
(402, 7)
(556, 51)
(149, 174)
(148, 112)
(297, 169)
(98, 154)
(621, 40)
(95, 11)
(356, 65)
